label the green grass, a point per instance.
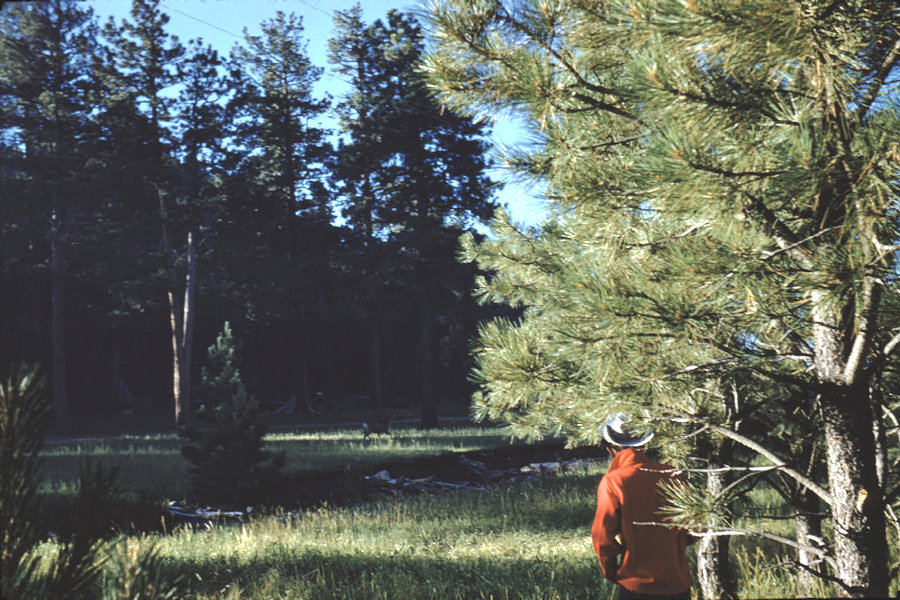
(528, 540)
(151, 463)
(151, 470)
(517, 541)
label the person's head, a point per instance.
(621, 432)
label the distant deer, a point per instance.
(377, 425)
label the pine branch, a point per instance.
(793, 515)
(506, 17)
(767, 254)
(735, 532)
(890, 346)
(878, 80)
(862, 340)
(675, 236)
(722, 469)
(765, 452)
(819, 574)
(781, 233)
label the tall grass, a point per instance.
(517, 541)
(526, 540)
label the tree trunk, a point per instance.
(857, 507)
(187, 341)
(880, 434)
(712, 567)
(300, 372)
(57, 309)
(860, 542)
(713, 572)
(177, 359)
(176, 314)
(429, 409)
(376, 389)
(116, 394)
(809, 531)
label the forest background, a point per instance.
(157, 185)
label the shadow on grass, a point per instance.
(312, 574)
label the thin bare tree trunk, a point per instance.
(429, 408)
(190, 288)
(57, 308)
(809, 531)
(376, 387)
(176, 313)
(713, 561)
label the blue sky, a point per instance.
(221, 23)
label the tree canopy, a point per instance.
(153, 189)
(724, 184)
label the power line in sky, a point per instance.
(276, 59)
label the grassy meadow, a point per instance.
(523, 540)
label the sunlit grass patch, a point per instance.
(518, 541)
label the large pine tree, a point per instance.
(413, 177)
(45, 66)
(140, 64)
(724, 176)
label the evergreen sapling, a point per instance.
(225, 439)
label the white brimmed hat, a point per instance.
(618, 431)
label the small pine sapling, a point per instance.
(225, 437)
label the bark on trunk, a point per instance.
(713, 572)
(177, 358)
(176, 314)
(300, 377)
(712, 565)
(860, 542)
(375, 365)
(857, 508)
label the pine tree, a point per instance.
(413, 177)
(724, 183)
(225, 439)
(76, 570)
(274, 85)
(281, 200)
(139, 65)
(45, 63)
(200, 132)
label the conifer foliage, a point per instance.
(77, 571)
(723, 249)
(225, 440)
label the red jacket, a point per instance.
(653, 560)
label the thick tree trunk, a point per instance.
(860, 542)
(857, 508)
(712, 559)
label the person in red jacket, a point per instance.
(653, 563)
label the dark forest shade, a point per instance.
(135, 220)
